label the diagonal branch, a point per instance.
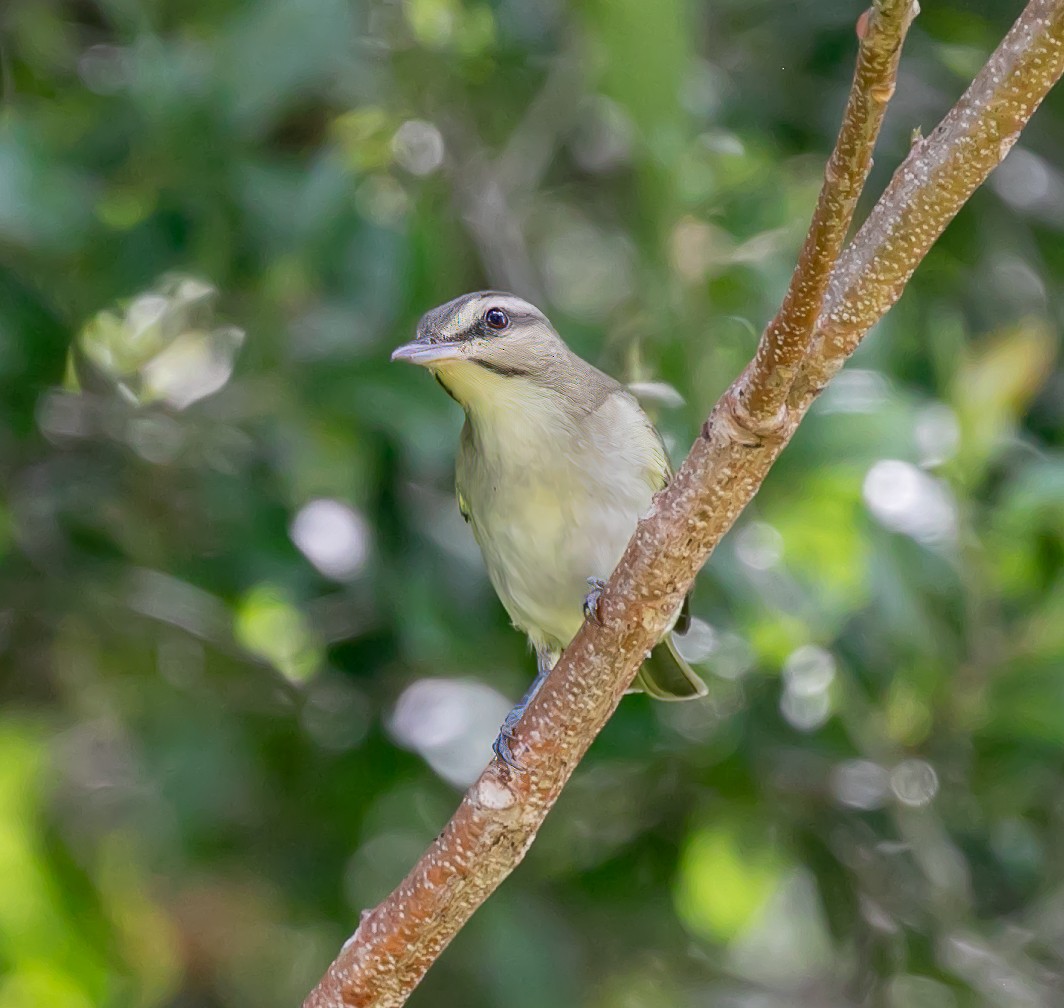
(786, 341)
(499, 816)
(936, 179)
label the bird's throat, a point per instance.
(446, 388)
(480, 387)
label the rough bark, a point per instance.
(785, 343)
(830, 310)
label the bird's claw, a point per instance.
(501, 748)
(501, 745)
(593, 598)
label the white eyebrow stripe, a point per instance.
(465, 317)
(468, 314)
(510, 303)
(473, 310)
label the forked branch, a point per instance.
(936, 179)
(499, 816)
(785, 344)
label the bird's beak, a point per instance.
(427, 354)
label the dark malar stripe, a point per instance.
(443, 385)
(502, 369)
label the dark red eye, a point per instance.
(496, 318)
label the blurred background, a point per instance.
(249, 657)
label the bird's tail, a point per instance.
(666, 676)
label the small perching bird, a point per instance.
(557, 464)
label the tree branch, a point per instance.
(499, 816)
(936, 179)
(787, 339)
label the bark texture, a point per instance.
(828, 309)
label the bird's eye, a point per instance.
(496, 318)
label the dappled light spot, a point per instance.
(418, 147)
(1027, 181)
(914, 782)
(450, 723)
(788, 943)
(702, 90)
(909, 717)
(733, 656)
(905, 499)
(724, 653)
(805, 711)
(271, 627)
(937, 433)
(725, 880)
(433, 22)
(861, 784)
(333, 537)
(382, 200)
(759, 545)
(807, 675)
(809, 670)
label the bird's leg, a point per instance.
(506, 732)
(592, 599)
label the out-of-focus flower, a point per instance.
(164, 345)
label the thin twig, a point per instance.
(786, 340)
(936, 179)
(499, 816)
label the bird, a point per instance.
(556, 464)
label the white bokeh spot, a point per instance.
(333, 537)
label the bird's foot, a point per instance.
(501, 745)
(593, 598)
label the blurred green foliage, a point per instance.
(248, 654)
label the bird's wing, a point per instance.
(662, 464)
(465, 455)
(658, 473)
(660, 469)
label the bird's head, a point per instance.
(477, 340)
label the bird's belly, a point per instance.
(541, 545)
